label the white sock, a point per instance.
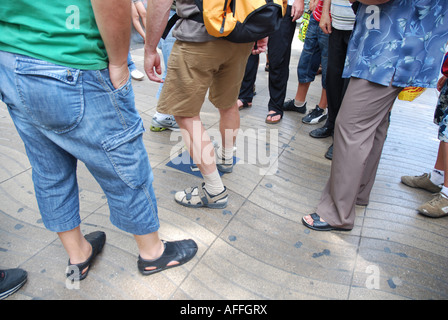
(227, 155)
(299, 104)
(213, 183)
(444, 191)
(437, 177)
(224, 155)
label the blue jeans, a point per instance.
(166, 45)
(314, 54)
(64, 115)
(131, 64)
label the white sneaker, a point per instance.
(161, 122)
(137, 75)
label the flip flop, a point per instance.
(175, 251)
(276, 113)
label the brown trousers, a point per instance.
(360, 132)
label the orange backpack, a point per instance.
(240, 20)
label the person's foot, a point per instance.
(11, 280)
(79, 271)
(315, 116)
(322, 132)
(437, 207)
(197, 197)
(137, 75)
(315, 222)
(329, 153)
(273, 117)
(175, 254)
(290, 106)
(242, 104)
(162, 122)
(422, 182)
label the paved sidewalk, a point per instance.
(257, 248)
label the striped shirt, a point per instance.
(317, 13)
(342, 15)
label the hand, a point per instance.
(325, 23)
(152, 65)
(260, 46)
(297, 9)
(313, 4)
(119, 74)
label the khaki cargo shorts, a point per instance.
(194, 68)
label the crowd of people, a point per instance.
(68, 91)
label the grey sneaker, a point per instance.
(162, 122)
(437, 207)
(315, 116)
(199, 197)
(422, 182)
(223, 165)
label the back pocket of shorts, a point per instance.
(51, 95)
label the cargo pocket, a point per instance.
(51, 95)
(128, 156)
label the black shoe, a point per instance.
(290, 106)
(323, 132)
(329, 153)
(96, 240)
(315, 116)
(11, 280)
(175, 251)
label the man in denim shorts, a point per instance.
(66, 84)
(198, 63)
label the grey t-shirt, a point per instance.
(187, 29)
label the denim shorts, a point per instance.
(64, 115)
(314, 54)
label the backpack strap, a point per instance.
(169, 25)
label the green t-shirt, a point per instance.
(63, 32)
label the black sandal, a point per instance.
(245, 104)
(320, 225)
(276, 113)
(96, 240)
(175, 251)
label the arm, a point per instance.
(113, 18)
(136, 21)
(441, 83)
(157, 17)
(297, 9)
(141, 10)
(325, 20)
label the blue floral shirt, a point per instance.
(401, 42)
